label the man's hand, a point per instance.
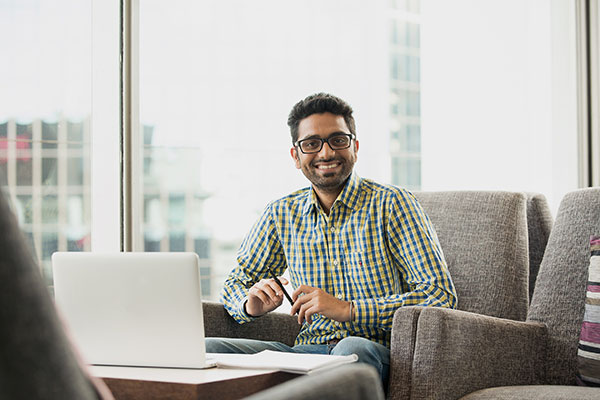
(315, 300)
(264, 296)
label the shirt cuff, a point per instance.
(241, 312)
(366, 312)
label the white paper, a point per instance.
(282, 361)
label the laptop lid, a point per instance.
(132, 309)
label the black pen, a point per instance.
(287, 296)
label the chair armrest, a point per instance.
(458, 352)
(273, 326)
(404, 333)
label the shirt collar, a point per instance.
(349, 196)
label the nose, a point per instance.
(326, 151)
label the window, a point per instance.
(437, 106)
(45, 111)
(499, 96)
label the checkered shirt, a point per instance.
(377, 248)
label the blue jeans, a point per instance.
(367, 351)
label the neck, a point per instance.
(327, 198)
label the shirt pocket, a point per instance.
(369, 275)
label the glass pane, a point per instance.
(75, 171)
(49, 135)
(177, 241)
(49, 173)
(45, 109)
(499, 96)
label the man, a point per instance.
(356, 250)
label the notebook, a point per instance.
(297, 363)
(133, 309)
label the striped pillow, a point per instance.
(589, 339)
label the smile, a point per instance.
(328, 166)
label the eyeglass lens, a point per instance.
(337, 142)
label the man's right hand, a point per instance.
(264, 296)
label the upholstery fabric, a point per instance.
(539, 225)
(459, 352)
(539, 392)
(589, 338)
(274, 326)
(404, 334)
(348, 382)
(559, 297)
(484, 239)
(37, 360)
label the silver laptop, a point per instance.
(133, 309)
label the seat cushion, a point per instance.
(588, 353)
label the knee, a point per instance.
(362, 347)
(368, 352)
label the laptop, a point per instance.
(133, 309)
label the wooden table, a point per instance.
(132, 383)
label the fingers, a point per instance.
(306, 312)
(309, 301)
(268, 291)
(305, 305)
(299, 298)
(272, 289)
(302, 289)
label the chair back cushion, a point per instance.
(559, 295)
(484, 238)
(539, 225)
(274, 326)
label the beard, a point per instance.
(331, 182)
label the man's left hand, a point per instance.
(309, 300)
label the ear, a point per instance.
(355, 146)
(294, 154)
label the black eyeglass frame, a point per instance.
(352, 137)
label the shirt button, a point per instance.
(339, 296)
(335, 262)
(332, 229)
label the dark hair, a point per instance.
(317, 104)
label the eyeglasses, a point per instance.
(338, 141)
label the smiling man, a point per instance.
(355, 250)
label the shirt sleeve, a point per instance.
(259, 251)
(417, 254)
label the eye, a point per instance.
(339, 140)
(311, 144)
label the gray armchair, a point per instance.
(37, 360)
(484, 236)
(348, 382)
(461, 353)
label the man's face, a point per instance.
(328, 169)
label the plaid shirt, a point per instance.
(377, 248)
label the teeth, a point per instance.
(328, 166)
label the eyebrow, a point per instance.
(315, 136)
